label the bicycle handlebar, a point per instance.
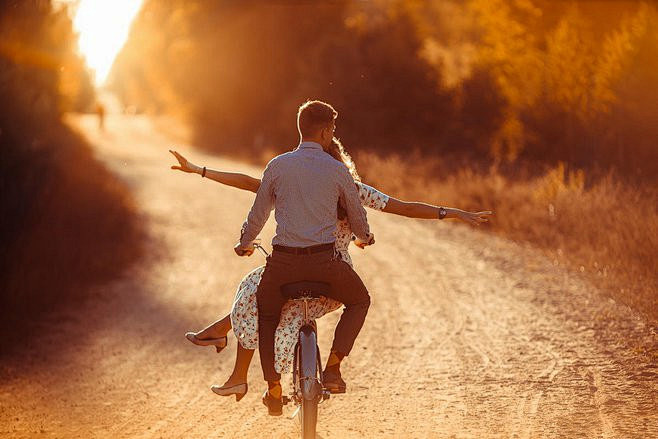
(359, 243)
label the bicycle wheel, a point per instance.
(309, 373)
(308, 414)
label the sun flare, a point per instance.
(103, 28)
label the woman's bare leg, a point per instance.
(241, 368)
(216, 329)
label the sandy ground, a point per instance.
(468, 335)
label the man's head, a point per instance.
(316, 122)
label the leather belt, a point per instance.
(304, 250)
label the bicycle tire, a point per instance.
(308, 363)
(308, 418)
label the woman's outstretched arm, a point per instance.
(413, 209)
(234, 179)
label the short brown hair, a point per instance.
(313, 115)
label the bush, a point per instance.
(65, 221)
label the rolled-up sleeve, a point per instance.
(263, 205)
(349, 197)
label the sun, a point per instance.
(103, 27)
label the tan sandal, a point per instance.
(219, 343)
(239, 390)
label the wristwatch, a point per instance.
(442, 212)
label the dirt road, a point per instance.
(468, 335)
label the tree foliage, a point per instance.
(65, 222)
(533, 80)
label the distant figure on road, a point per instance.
(100, 110)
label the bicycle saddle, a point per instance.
(305, 288)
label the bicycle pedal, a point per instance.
(336, 390)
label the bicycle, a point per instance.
(308, 390)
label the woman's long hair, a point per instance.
(338, 151)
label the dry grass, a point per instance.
(606, 229)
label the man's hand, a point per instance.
(474, 218)
(244, 251)
(363, 244)
(185, 165)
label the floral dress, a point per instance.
(244, 314)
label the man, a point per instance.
(304, 187)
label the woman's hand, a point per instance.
(474, 218)
(185, 165)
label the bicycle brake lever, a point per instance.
(260, 247)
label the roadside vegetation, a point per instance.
(607, 230)
(66, 223)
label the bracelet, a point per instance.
(203, 174)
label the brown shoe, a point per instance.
(333, 382)
(274, 405)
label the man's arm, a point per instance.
(260, 210)
(356, 214)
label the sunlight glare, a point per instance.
(103, 28)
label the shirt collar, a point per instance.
(311, 145)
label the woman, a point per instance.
(243, 318)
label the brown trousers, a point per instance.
(346, 287)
